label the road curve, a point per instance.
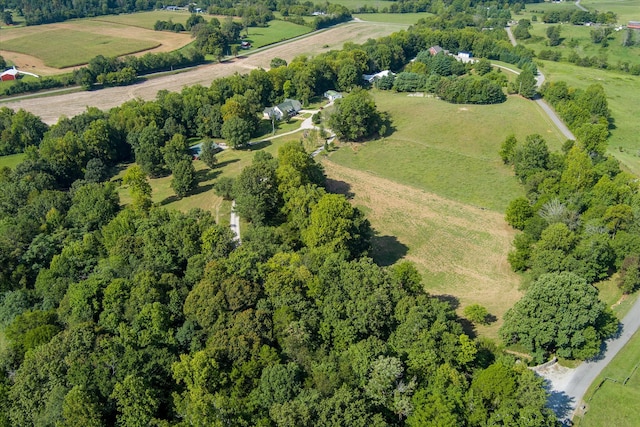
(567, 397)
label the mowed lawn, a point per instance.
(451, 150)
(276, 31)
(627, 10)
(393, 18)
(60, 48)
(12, 160)
(615, 403)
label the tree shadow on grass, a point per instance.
(386, 250)
(258, 145)
(225, 163)
(339, 187)
(206, 175)
(453, 301)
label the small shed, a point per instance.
(332, 95)
(8, 75)
(634, 25)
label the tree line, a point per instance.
(138, 315)
(578, 226)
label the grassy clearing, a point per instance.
(147, 19)
(451, 150)
(615, 403)
(580, 36)
(627, 10)
(275, 32)
(460, 250)
(12, 160)
(356, 4)
(393, 18)
(73, 47)
(621, 90)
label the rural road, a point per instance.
(568, 386)
(541, 102)
(70, 104)
(581, 7)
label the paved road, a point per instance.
(541, 102)
(235, 222)
(567, 394)
(581, 7)
(569, 386)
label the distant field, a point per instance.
(627, 10)
(74, 47)
(615, 403)
(580, 35)
(451, 150)
(275, 32)
(355, 4)
(393, 18)
(147, 19)
(622, 90)
(11, 160)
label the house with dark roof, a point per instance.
(286, 109)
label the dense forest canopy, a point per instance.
(137, 315)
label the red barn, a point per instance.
(635, 25)
(10, 74)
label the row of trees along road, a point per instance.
(579, 223)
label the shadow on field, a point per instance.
(220, 165)
(339, 187)
(386, 250)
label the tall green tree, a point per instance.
(559, 314)
(356, 116)
(184, 178)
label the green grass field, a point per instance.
(451, 150)
(627, 10)
(615, 403)
(73, 47)
(355, 4)
(579, 37)
(275, 32)
(12, 160)
(621, 90)
(393, 18)
(147, 19)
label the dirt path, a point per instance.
(51, 108)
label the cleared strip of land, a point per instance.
(459, 249)
(51, 108)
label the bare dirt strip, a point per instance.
(461, 250)
(51, 108)
(167, 41)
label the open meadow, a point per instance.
(45, 49)
(275, 32)
(621, 90)
(627, 10)
(435, 191)
(393, 18)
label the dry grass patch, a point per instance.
(459, 249)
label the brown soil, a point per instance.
(51, 108)
(442, 239)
